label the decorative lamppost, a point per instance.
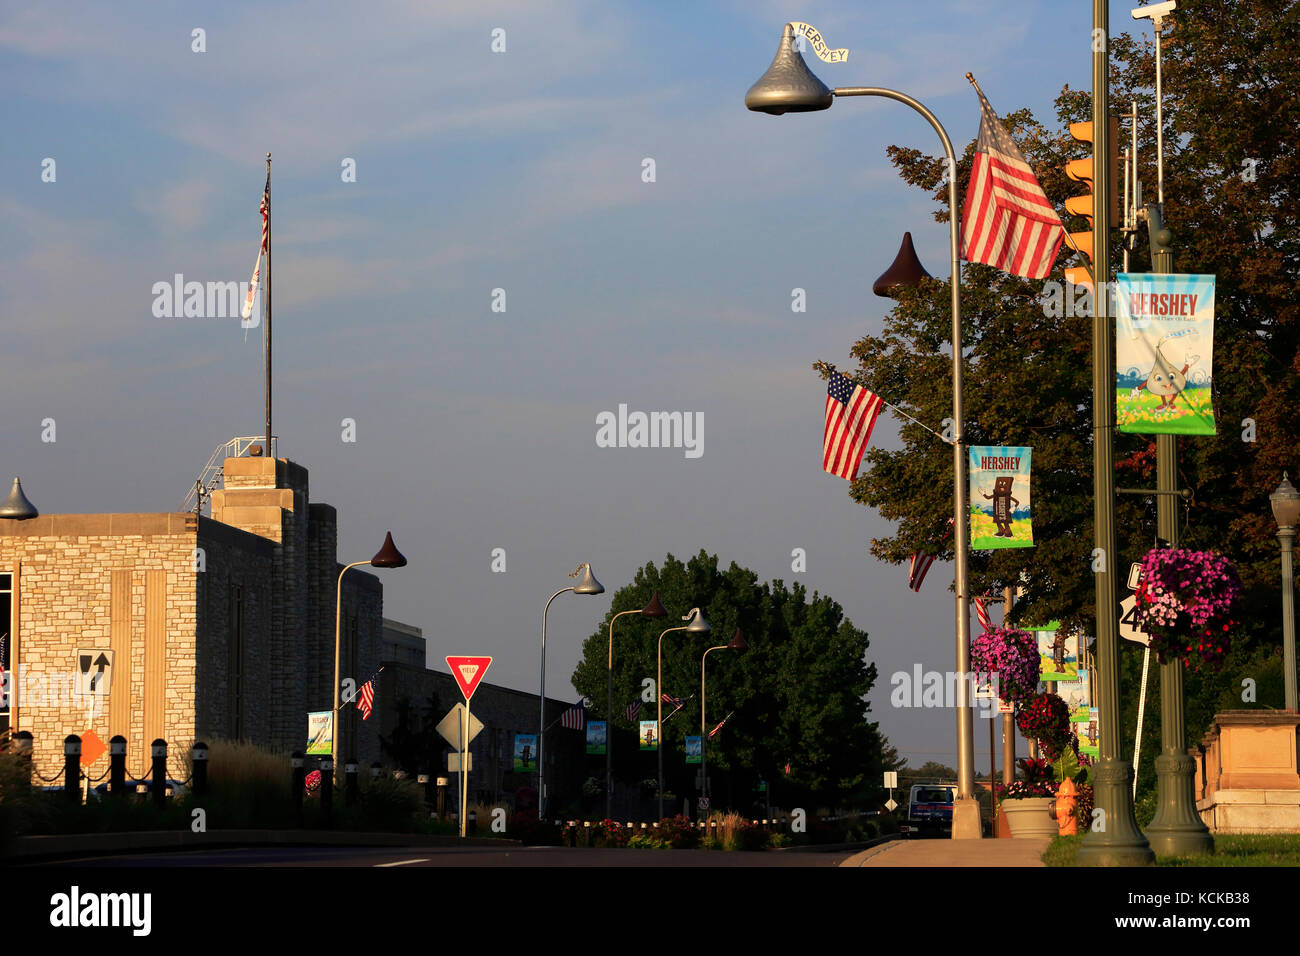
(789, 86)
(588, 585)
(737, 643)
(653, 609)
(1286, 509)
(387, 557)
(697, 625)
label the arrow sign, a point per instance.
(468, 671)
(101, 662)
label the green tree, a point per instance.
(1230, 187)
(796, 697)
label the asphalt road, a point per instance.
(423, 856)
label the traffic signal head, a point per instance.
(1082, 170)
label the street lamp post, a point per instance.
(737, 643)
(588, 585)
(387, 557)
(789, 86)
(1286, 509)
(697, 625)
(653, 609)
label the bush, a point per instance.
(679, 832)
(525, 827)
(647, 840)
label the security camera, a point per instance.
(1156, 11)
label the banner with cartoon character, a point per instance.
(1164, 351)
(999, 495)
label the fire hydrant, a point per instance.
(1067, 824)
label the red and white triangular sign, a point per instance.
(468, 671)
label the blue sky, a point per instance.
(475, 171)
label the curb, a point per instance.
(32, 848)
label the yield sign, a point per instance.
(468, 671)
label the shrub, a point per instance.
(679, 832)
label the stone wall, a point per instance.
(123, 583)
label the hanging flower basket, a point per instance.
(1010, 655)
(1186, 602)
(1046, 718)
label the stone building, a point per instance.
(184, 627)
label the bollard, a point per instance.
(199, 758)
(376, 769)
(352, 789)
(158, 783)
(327, 789)
(443, 782)
(117, 766)
(72, 767)
(298, 783)
(422, 779)
(472, 826)
(23, 748)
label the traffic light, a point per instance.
(1080, 170)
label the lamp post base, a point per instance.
(1176, 829)
(1114, 838)
(966, 819)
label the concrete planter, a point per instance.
(1030, 816)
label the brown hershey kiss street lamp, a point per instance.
(789, 86)
(653, 609)
(388, 557)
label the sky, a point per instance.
(521, 169)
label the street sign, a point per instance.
(1128, 628)
(92, 748)
(890, 804)
(453, 763)
(94, 671)
(1134, 575)
(468, 671)
(450, 726)
(703, 803)
(891, 779)
(1006, 707)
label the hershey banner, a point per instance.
(1164, 350)
(999, 496)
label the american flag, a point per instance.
(633, 709)
(851, 412)
(366, 699)
(921, 563)
(982, 613)
(575, 718)
(1007, 221)
(719, 727)
(670, 699)
(253, 283)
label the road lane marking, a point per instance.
(401, 862)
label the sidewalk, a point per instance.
(947, 852)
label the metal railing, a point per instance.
(207, 480)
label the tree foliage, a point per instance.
(1231, 171)
(797, 696)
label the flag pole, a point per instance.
(270, 453)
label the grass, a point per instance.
(1230, 849)
(1192, 413)
(983, 532)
